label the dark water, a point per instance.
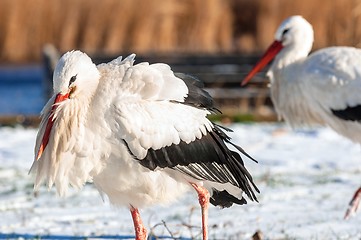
(22, 90)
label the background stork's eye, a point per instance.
(72, 79)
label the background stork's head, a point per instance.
(296, 33)
(294, 38)
(76, 75)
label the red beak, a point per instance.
(270, 53)
(58, 99)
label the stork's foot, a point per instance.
(140, 231)
(354, 203)
(203, 197)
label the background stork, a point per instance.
(140, 133)
(322, 88)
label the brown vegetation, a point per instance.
(163, 26)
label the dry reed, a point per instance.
(166, 26)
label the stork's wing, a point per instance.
(147, 106)
(161, 117)
(335, 81)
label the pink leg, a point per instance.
(140, 231)
(203, 197)
(354, 203)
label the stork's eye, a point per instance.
(285, 31)
(72, 79)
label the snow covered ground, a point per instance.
(306, 178)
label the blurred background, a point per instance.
(215, 40)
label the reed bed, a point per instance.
(165, 26)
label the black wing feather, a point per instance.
(197, 96)
(349, 113)
(224, 199)
(207, 158)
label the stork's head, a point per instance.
(75, 75)
(295, 32)
(75, 79)
(294, 35)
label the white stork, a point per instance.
(322, 88)
(140, 134)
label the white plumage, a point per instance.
(139, 132)
(322, 88)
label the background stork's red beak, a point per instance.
(59, 98)
(270, 53)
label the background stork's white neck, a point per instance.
(289, 55)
